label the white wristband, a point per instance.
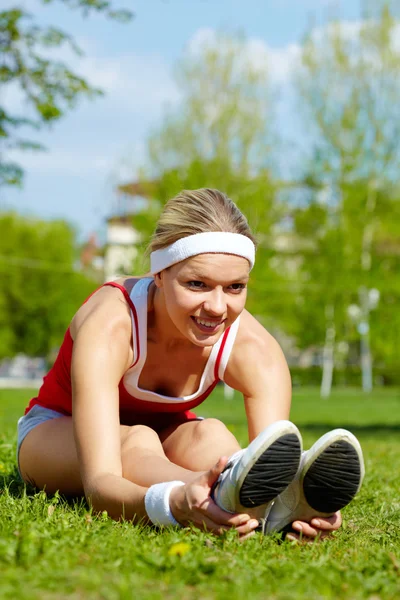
(157, 505)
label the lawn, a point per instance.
(51, 549)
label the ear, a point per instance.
(158, 279)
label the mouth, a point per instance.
(208, 325)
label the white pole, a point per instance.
(328, 354)
(228, 392)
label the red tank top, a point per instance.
(56, 390)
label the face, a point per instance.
(203, 295)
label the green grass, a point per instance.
(51, 549)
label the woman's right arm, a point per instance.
(101, 354)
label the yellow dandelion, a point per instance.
(179, 549)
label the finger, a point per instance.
(299, 538)
(213, 474)
(242, 538)
(221, 516)
(328, 523)
(248, 527)
(305, 529)
(206, 524)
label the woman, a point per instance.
(113, 418)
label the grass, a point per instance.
(52, 549)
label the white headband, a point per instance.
(214, 242)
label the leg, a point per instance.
(330, 475)
(197, 445)
(144, 461)
(48, 458)
(255, 475)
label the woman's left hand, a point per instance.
(318, 528)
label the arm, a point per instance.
(101, 354)
(257, 368)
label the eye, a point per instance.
(196, 285)
(237, 287)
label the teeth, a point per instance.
(207, 323)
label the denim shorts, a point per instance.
(38, 414)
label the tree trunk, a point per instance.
(328, 354)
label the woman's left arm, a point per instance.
(258, 369)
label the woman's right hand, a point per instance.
(192, 504)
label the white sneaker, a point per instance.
(330, 475)
(254, 476)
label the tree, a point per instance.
(48, 87)
(221, 136)
(40, 288)
(350, 84)
(226, 109)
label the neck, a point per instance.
(160, 326)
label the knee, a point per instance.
(212, 430)
(139, 435)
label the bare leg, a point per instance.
(144, 461)
(48, 458)
(197, 445)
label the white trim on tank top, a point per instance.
(139, 295)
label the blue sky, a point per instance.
(103, 142)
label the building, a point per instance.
(120, 248)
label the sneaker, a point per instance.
(256, 475)
(330, 475)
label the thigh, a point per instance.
(197, 445)
(48, 457)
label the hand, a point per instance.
(319, 527)
(192, 503)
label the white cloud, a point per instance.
(396, 39)
(60, 160)
(110, 160)
(97, 135)
(89, 138)
(277, 61)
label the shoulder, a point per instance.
(255, 355)
(253, 339)
(106, 310)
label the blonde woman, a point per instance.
(113, 419)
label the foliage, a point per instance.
(349, 82)
(350, 376)
(225, 113)
(46, 87)
(220, 137)
(40, 289)
(51, 548)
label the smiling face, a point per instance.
(203, 295)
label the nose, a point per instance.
(215, 303)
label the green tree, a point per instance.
(48, 87)
(350, 84)
(40, 288)
(226, 110)
(221, 136)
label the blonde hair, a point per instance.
(197, 211)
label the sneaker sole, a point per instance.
(272, 472)
(328, 480)
(335, 477)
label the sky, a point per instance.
(103, 142)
